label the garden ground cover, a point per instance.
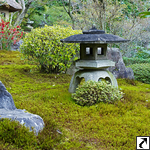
(98, 127)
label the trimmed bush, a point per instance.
(130, 61)
(92, 92)
(42, 46)
(141, 72)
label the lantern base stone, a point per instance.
(95, 75)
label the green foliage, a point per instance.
(43, 47)
(130, 61)
(52, 15)
(141, 72)
(142, 53)
(15, 133)
(92, 92)
(132, 9)
(144, 14)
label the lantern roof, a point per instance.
(11, 5)
(94, 36)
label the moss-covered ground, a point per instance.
(68, 125)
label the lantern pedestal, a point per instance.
(95, 75)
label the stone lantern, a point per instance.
(93, 62)
(7, 6)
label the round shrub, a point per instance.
(92, 92)
(141, 72)
(42, 46)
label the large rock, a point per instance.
(8, 110)
(120, 70)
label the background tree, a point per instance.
(72, 7)
(120, 17)
(17, 17)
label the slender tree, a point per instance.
(70, 7)
(26, 5)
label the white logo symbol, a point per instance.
(142, 143)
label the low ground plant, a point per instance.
(92, 92)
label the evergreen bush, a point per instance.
(141, 72)
(131, 61)
(92, 92)
(42, 46)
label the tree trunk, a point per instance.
(69, 12)
(101, 17)
(23, 12)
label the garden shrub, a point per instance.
(141, 72)
(130, 61)
(42, 46)
(92, 92)
(14, 133)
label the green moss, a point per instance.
(14, 133)
(102, 126)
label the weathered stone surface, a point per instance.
(6, 100)
(94, 64)
(95, 75)
(120, 70)
(8, 110)
(24, 117)
(93, 36)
